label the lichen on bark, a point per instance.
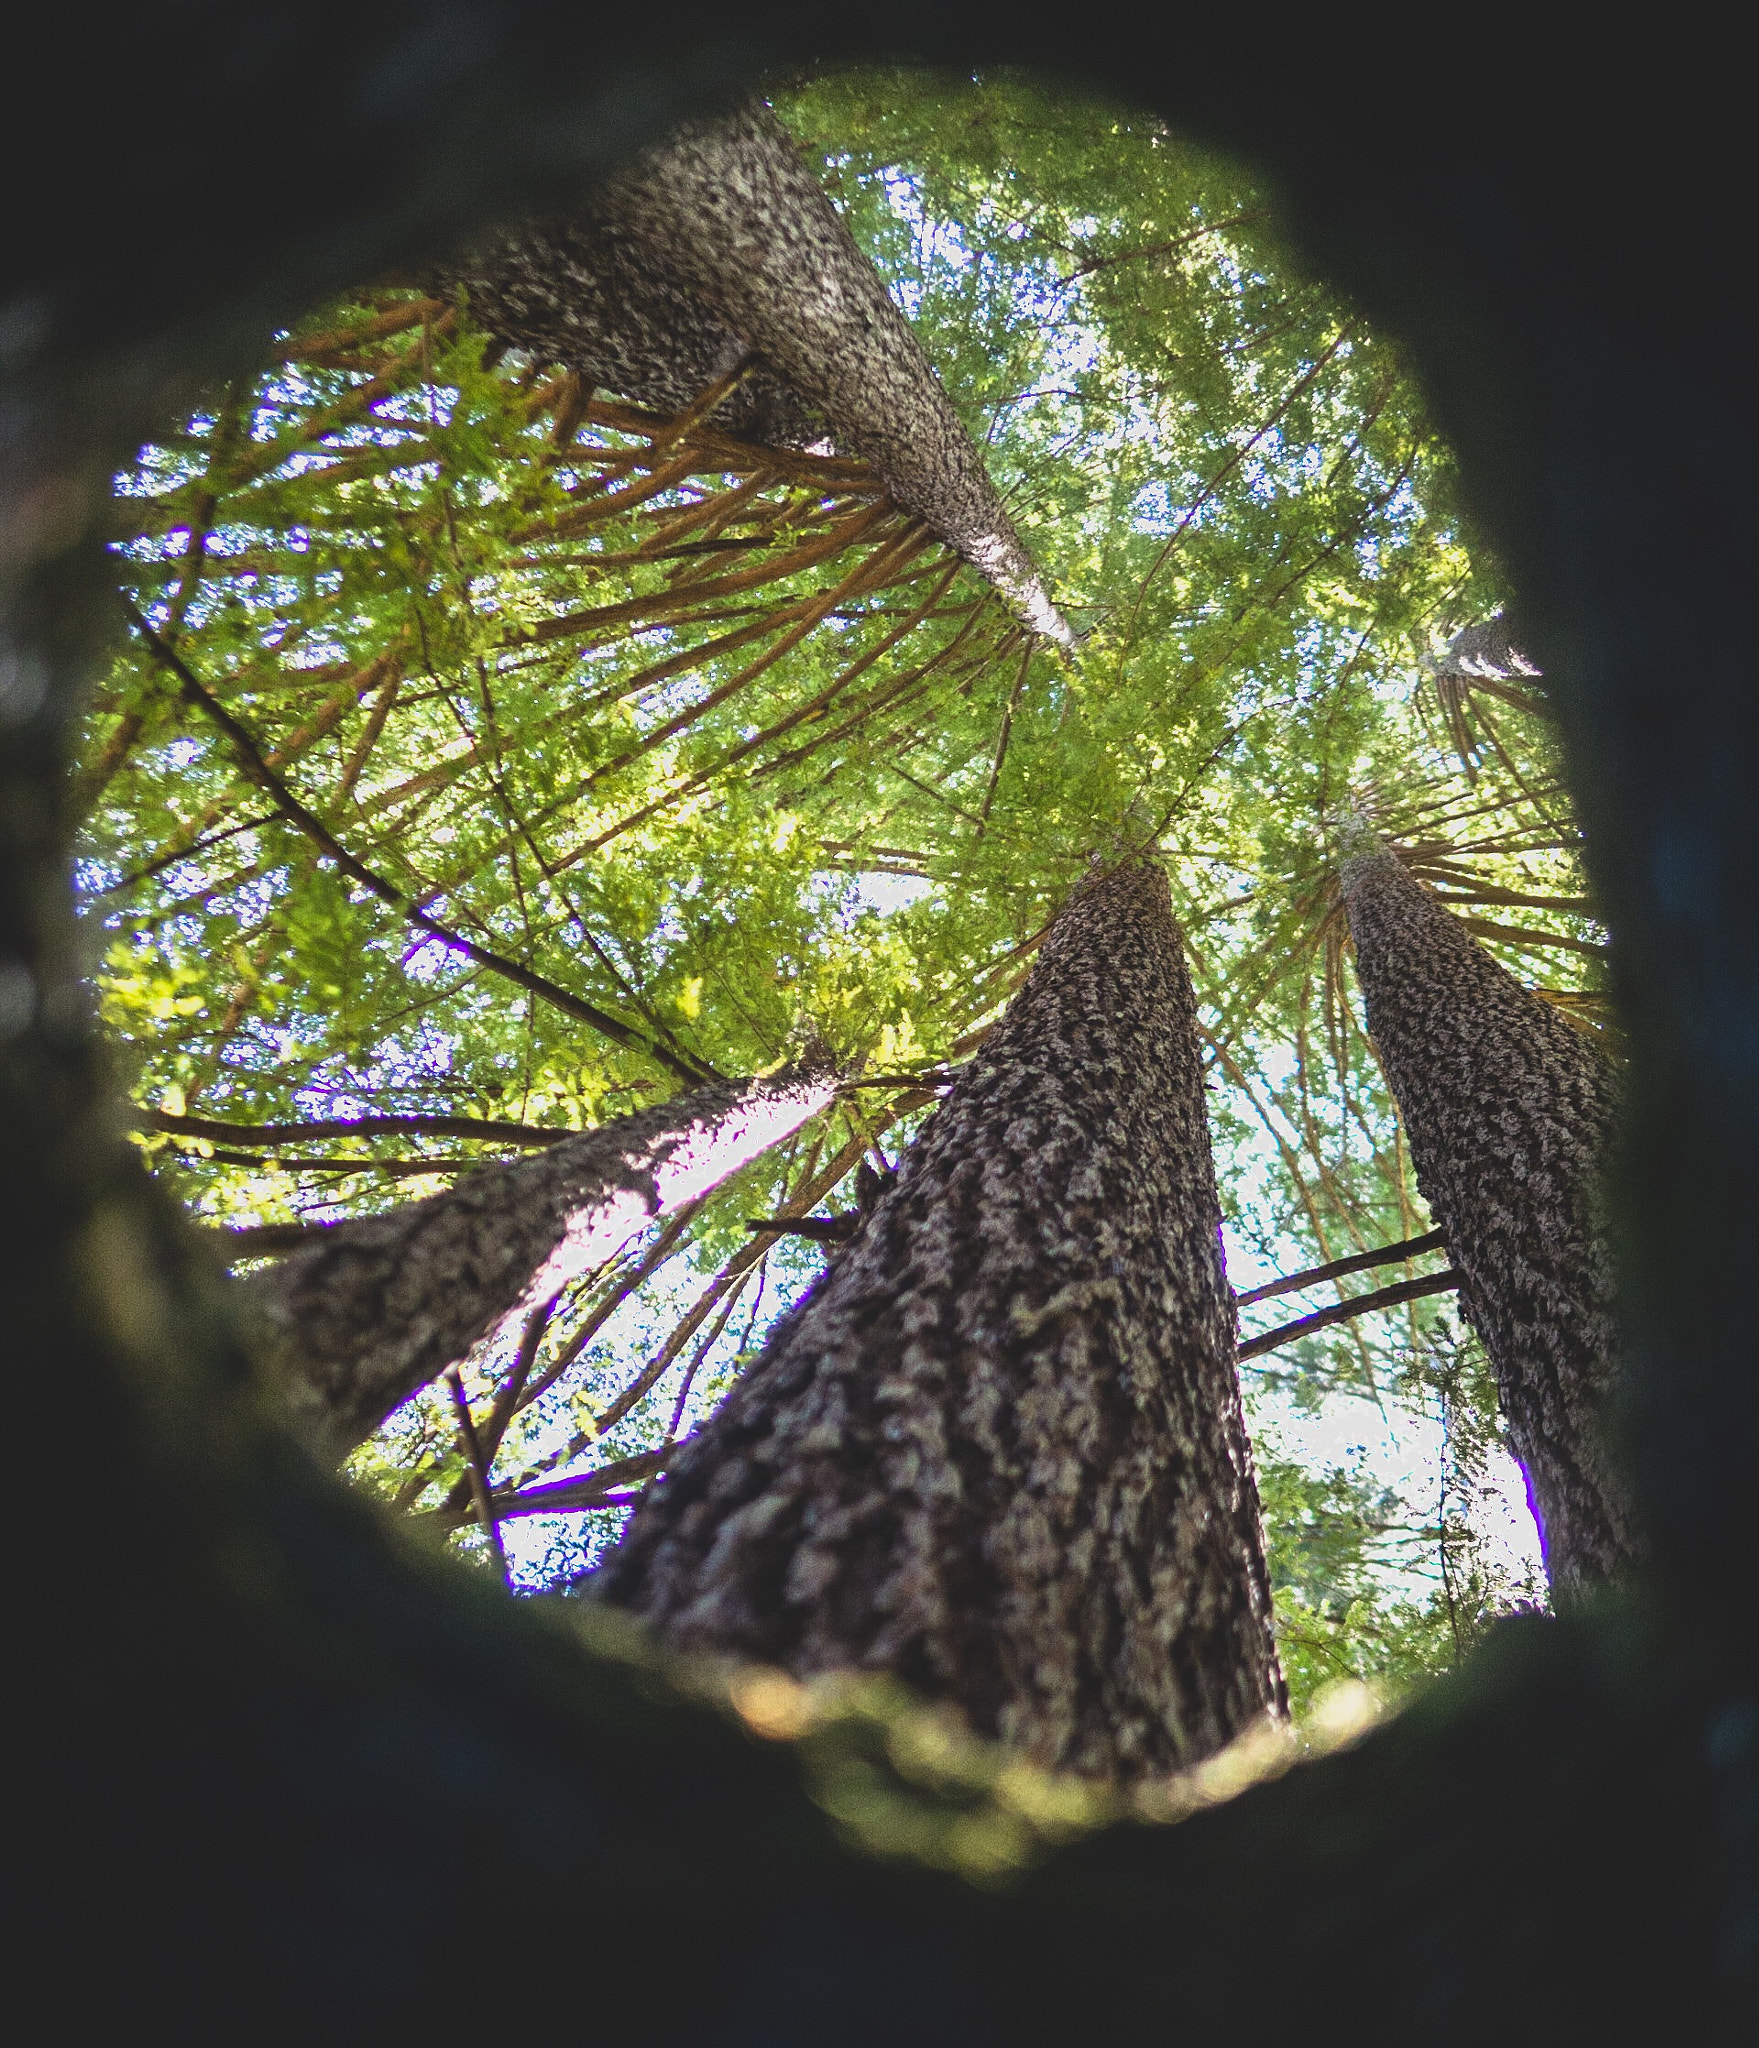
(1508, 1110)
(999, 1450)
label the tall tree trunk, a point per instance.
(378, 1307)
(999, 1451)
(1508, 1109)
(722, 242)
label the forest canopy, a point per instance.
(674, 751)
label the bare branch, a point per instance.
(1407, 1248)
(534, 1135)
(1345, 1311)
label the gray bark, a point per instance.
(586, 293)
(999, 1451)
(1508, 1110)
(378, 1307)
(722, 243)
(1488, 652)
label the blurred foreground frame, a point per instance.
(289, 1777)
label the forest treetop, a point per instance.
(712, 741)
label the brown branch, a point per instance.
(887, 696)
(335, 341)
(1002, 738)
(731, 1275)
(265, 1239)
(911, 540)
(731, 456)
(611, 504)
(265, 457)
(1237, 220)
(521, 1390)
(1344, 1311)
(479, 1477)
(355, 1127)
(820, 1229)
(395, 1169)
(195, 838)
(256, 767)
(937, 1079)
(1514, 935)
(1388, 1254)
(1233, 462)
(656, 1255)
(1483, 892)
(369, 738)
(576, 1495)
(816, 705)
(659, 602)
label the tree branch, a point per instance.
(1388, 1254)
(821, 1229)
(532, 1135)
(375, 1308)
(477, 1467)
(256, 767)
(1344, 1311)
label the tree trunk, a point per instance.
(1508, 1109)
(722, 242)
(1488, 652)
(378, 1307)
(581, 293)
(999, 1451)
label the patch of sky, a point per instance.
(544, 1550)
(289, 387)
(1403, 509)
(159, 470)
(872, 892)
(1401, 1448)
(319, 653)
(1314, 647)
(1155, 512)
(430, 961)
(302, 462)
(1397, 1442)
(154, 547)
(432, 405)
(935, 241)
(667, 931)
(658, 705)
(92, 877)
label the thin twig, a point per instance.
(479, 1477)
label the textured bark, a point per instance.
(1508, 1110)
(378, 1307)
(1488, 652)
(722, 243)
(999, 1450)
(585, 294)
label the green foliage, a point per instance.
(1375, 1583)
(705, 756)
